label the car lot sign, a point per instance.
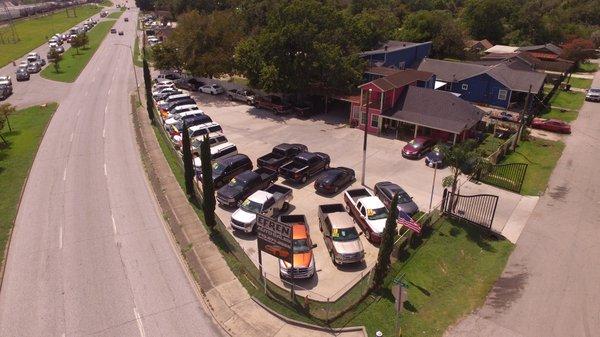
(274, 237)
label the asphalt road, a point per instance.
(551, 284)
(90, 254)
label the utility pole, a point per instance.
(364, 162)
(435, 165)
(522, 119)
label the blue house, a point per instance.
(398, 54)
(494, 85)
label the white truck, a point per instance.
(269, 202)
(368, 211)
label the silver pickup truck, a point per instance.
(340, 234)
(269, 202)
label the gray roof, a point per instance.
(435, 109)
(514, 79)
(551, 47)
(391, 45)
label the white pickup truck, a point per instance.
(368, 211)
(269, 202)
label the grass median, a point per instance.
(561, 114)
(570, 100)
(28, 126)
(541, 157)
(448, 276)
(581, 83)
(115, 15)
(36, 31)
(72, 63)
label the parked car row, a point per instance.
(6, 88)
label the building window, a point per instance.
(363, 119)
(375, 121)
(465, 86)
(356, 114)
(502, 94)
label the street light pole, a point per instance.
(364, 162)
(137, 85)
(432, 186)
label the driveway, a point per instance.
(551, 284)
(256, 131)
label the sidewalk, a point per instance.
(227, 300)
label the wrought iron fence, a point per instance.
(479, 209)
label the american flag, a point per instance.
(406, 221)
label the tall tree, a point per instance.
(148, 90)
(371, 27)
(485, 18)
(305, 46)
(6, 110)
(578, 50)
(437, 26)
(79, 41)
(165, 56)
(188, 162)
(55, 58)
(387, 245)
(208, 187)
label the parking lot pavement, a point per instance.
(256, 131)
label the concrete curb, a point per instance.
(311, 326)
(9, 235)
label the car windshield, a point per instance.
(595, 90)
(377, 213)
(301, 246)
(196, 143)
(217, 169)
(415, 143)
(403, 198)
(251, 206)
(344, 234)
(236, 185)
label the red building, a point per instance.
(405, 103)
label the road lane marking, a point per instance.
(103, 133)
(60, 236)
(114, 224)
(108, 91)
(65, 174)
(138, 319)
(105, 172)
(106, 109)
(71, 137)
(78, 112)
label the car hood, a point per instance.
(243, 216)
(409, 149)
(228, 192)
(348, 247)
(377, 225)
(301, 260)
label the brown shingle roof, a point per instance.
(435, 109)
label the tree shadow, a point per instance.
(475, 234)
(410, 307)
(421, 289)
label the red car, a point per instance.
(417, 147)
(552, 125)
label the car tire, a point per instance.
(336, 189)
(367, 235)
(304, 179)
(285, 206)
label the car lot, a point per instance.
(256, 131)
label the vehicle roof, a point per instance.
(306, 155)
(186, 106)
(221, 147)
(260, 196)
(203, 126)
(299, 231)
(340, 220)
(371, 202)
(389, 186)
(233, 159)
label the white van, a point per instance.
(216, 152)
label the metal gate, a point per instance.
(507, 176)
(478, 209)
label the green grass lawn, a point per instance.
(567, 115)
(137, 56)
(587, 67)
(115, 15)
(16, 159)
(72, 64)
(541, 157)
(106, 3)
(489, 145)
(568, 99)
(35, 32)
(448, 276)
(582, 83)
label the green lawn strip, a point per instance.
(137, 58)
(587, 67)
(72, 63)
(28, 126)
(566, 115)
(36, 31)
(568, 99)
(490, 144)
(582, 83)
(115, 15)
(448, 276)
(541, 157)
(106, 3)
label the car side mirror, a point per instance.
(361, 233)
(314, 246)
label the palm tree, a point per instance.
(463, 158)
